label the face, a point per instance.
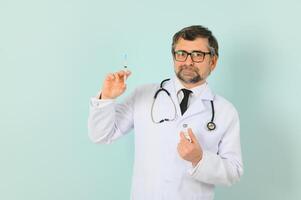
(194, 73)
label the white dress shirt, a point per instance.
(196, 91)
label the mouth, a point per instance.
(188, 71)
(189, 74)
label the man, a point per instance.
(187, 139)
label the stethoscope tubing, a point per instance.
(210, 125)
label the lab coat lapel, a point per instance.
(198, 105)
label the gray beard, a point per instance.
(197, 78)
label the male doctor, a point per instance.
(187, 140)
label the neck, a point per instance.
(192, 85)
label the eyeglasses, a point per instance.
(196, 56)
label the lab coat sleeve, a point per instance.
(109, 120)
(224, 168)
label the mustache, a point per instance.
(189, 67)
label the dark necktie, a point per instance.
(184, 101)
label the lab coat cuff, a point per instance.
(100, 103)
(201, 166)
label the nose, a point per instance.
(189, 60)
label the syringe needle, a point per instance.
(125, 67)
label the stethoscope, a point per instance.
(210, 125)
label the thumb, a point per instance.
(192, 136)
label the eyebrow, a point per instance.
(192, 51)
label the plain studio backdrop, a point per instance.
(54, 56)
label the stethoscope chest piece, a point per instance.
(211, 126)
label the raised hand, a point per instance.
(114, 85)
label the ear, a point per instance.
(213, 62)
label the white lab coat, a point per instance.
(159, 172)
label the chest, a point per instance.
(151, 133)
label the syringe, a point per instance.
(125, 67)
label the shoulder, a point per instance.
(224, 105)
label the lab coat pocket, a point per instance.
(209, 140)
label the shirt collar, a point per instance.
(197, 91)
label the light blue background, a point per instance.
(55, 54)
